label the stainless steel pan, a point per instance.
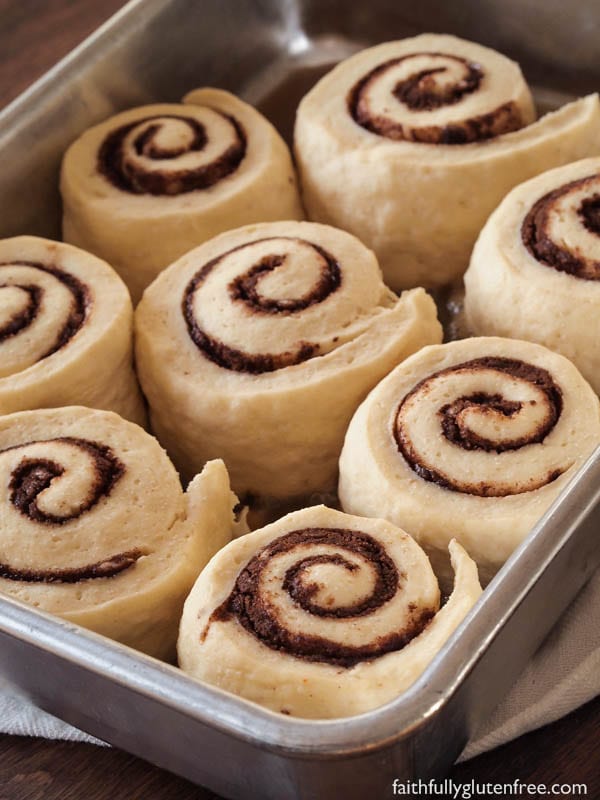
(270, 52)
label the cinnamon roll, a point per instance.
(150, 183)
(411, 144)
(321, 614)
(472, 439)
(535, 270)
(65, 330)
(258, 346)
(94, 526)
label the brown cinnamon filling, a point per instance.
(80, 305)
(132, 177)
(535, 231)
(107, 568)
(420, 91)
(456, 431)
(245, 289)
(33, 475)
(253, 610)
(589, 212)
(22, 319)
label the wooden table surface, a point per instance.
(34, 34)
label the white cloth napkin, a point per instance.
(563, 675)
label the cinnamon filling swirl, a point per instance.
(252, 604)
(25, 315)
(579, 202)
(33, 300)
(32, 476)
(589, 212)
(245, 288)
(445, 83)
(483, 420)
(126, 155)
(107, 568)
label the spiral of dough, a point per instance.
(149, 184)
(431, 132)
(169, 154)
(62, 313)
(485, 405)
(535, 269)
(436, 82)
(472, 440)
(94, 525)
(276, 331)
(321, 614)
(225, 282)
(24, 286)
(34, 490)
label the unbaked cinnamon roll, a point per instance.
(65, 330)
(321, 614)
(149, 184)
(94, 526)
(411, 144)
(535, 270)
(258, 346)
(472, 439)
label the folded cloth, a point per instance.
(22, 718)
(563, 675)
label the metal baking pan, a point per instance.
(270, 52)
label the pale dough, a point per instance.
(258, 346)
(470, 440)
(321, 614)
(94, 525)
(65, 330)
(516, 290)
(177, 175)
(419, 204)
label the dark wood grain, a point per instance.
(34, 769)
(33, 35)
